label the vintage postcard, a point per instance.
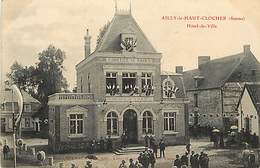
(130, 83)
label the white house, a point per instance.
(249, 108)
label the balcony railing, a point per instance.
(71, 97)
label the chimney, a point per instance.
(246, 49)
(203, 60)
(87, 39)
(179, 69)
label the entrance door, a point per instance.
(3, 124)
(130, 126)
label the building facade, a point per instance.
(120, 88)
(9, 104)
(249, 108)
(214, 88)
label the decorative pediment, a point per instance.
(77, 110)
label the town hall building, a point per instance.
(120, 88)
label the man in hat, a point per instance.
(122, 165)
(152, 159)
(162, 148)
(109, 144)
(185, 159)
(131, 163)
(192, 159)
(251, 160)
(177, 162)
(88, 164)
(102, 144)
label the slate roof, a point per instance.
(123, 23)
(7, 97)
(217, 72)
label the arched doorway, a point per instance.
(130, 126)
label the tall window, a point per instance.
(148, 122)
(169, 121)
(146, 79)
(196, 100)
(129, 82)
(111, 84)
(112, 123)
(76, 124)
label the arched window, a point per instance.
(112, 123)
(148, 122)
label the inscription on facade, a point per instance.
(128, 60)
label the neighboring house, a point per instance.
(249, 108)
(215, 87)
(9, 104)
(120, 88)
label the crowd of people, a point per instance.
(151, 143)
(248, 137)
(194, 160)
(103, 145)
(148, 158)
(249, 158)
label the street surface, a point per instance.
(224, 158)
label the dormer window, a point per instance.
(197, 80)
(128, 42)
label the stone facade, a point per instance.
(209, 107)
(217, 85)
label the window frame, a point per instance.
(129, 75)
(76, 119)
(145, 78)
(166, 118)
(113, 76)
(109, 119)
(147, 115)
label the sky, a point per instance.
(29, 26)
